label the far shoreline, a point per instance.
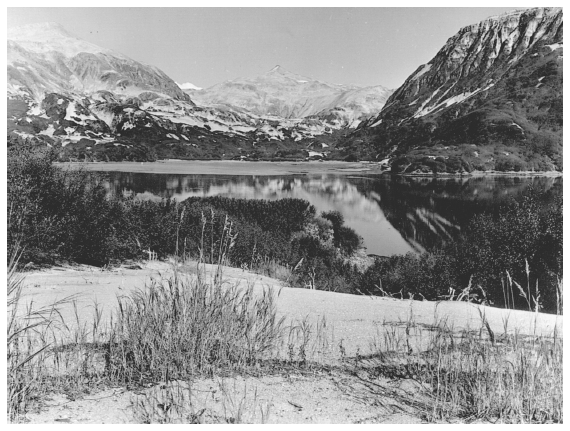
(232, 167)
(267, 168)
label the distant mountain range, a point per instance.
(97, 104)
(281, 93)
(491, 99)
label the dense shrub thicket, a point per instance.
(526, 231)
(56, 214)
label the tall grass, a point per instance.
(475, 375)
(518, 380)
(29, 339)
(181, 326)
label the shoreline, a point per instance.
(231, 167)
(268, 168)
(552, 174)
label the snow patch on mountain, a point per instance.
(425, 68)
(188, 86)
(53, 37)
(44, 58)
(555, 46)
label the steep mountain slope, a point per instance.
(490, 99)
(45, 58)
(284, 94)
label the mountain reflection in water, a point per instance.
(393, 215)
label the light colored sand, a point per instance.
(230, 167)
(318, 396)
(354, 319)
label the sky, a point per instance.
(205, 46)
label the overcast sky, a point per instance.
(363, 46)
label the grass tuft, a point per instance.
(181, 326)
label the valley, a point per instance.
(285, 244)
(490, 100)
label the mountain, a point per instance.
(188, 86)
(491, 99)
(352, 107)
(285, 94)
(91, 103)
(45, 58)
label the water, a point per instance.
(393, 215)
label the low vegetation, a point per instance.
(178, 329)
(58, 215)
(474, 375)
(165, 338)
(62, 215)
(520, 245)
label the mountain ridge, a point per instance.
(490, 99)
(45, 58)
(90, 103)
(279, 92)
(495, 85)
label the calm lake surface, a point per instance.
(394, 215)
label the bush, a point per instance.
(56, 213)
(522, 232)
(345, 238)
(427, 275)
(61, 214)
(525, 232)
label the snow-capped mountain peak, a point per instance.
(51, 36)
(282, 93)
(38, 32)
(44, 58)
(495, 83)
(188, 86)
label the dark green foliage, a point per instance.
(60, 215)
(429, 275)
(523, 231)
(55, 213)
(345, 238)
(351, 158)
(284, 215)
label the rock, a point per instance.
(482, 88)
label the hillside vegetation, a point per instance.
(491, 99)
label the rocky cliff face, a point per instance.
(490, 99)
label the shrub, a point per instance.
(522, 236)
(345, 238)
(520, 233)
(67, 215)
(427, 275)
